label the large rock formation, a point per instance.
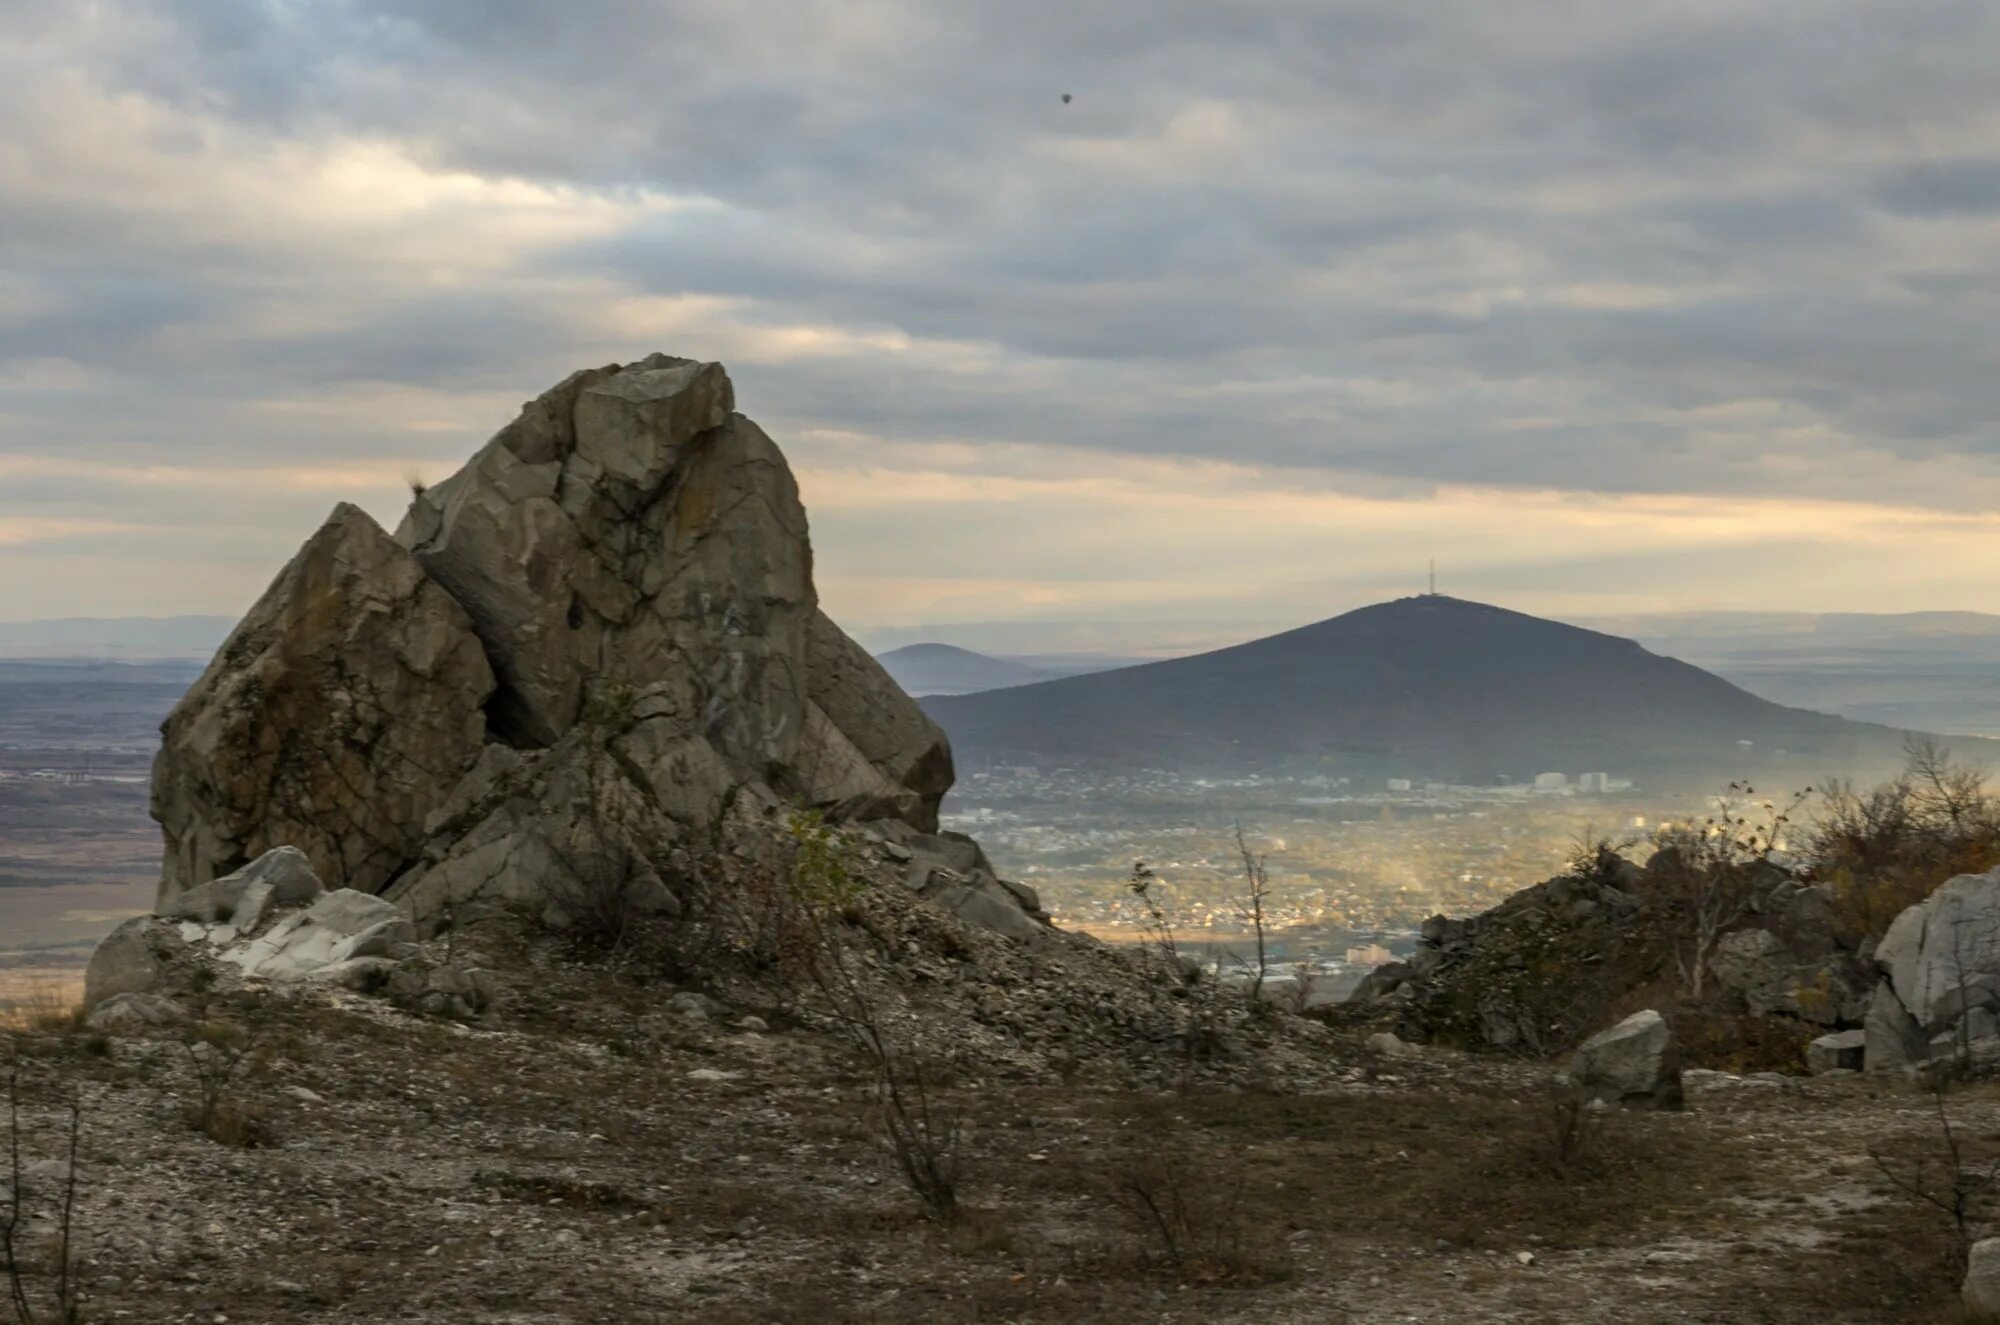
(577, 657)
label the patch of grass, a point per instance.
(49, 1009)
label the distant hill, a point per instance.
(1933, 670)
(945, 669)
(1426, 687)
(115, 637)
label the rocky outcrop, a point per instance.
(1545, 967)
(1533, 975)
(581, 657)
(1635, 1064)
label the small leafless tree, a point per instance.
(923, 1133)
(1250, 909)
(67, 1309)
(1146, 885)
(1944, 789)
(1715, 871)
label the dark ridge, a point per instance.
(1424, 687)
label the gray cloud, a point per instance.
(1644, 248)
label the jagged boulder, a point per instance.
(905, 749)
(335, 719)
(1891, 1036)
(595, 646)
(1942, 956)
(283, 878)
(1635, 1064)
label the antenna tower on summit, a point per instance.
(1434, 577)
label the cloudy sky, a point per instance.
(1610, 307)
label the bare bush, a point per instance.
(1941, 1177)
(220, 1055)
(65, 1306)
(1568, 1133)
(1191, 1212)
(922, 1131)
(1888, 849)
(1250, 909)
(1711, 871)
(604, 886)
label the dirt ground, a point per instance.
(569, 1168)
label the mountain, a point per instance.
(945, 669)
(1425, 687)
(114, 637)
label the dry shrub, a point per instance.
(221, 1056)
(1188, 1209)
(1888, 849)
(63, 1305)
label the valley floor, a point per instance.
(635, 1165)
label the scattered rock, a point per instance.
(129, 1014)
(1842, 1050)
(1982, 1277)
(694, 1006)
(1635, 1064)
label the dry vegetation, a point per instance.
(419, 1170)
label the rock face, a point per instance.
(1635, 1064)
(586, 650)
(335, 718)
(1940, 968)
